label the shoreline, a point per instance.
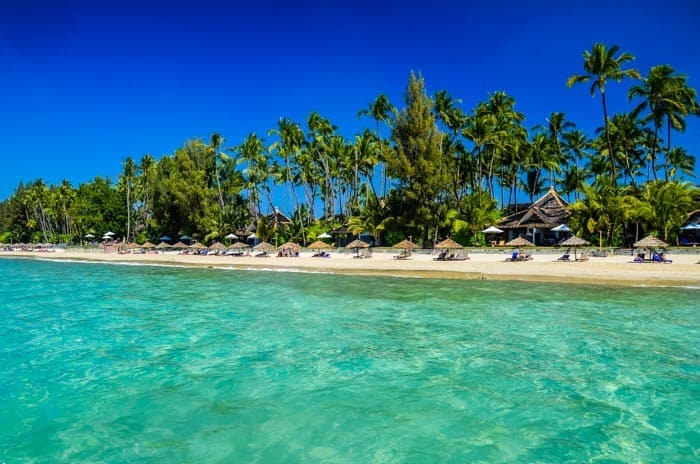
(611, 270)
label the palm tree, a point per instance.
(678, 159)
(146, 169)
(215, 142)
(667, 96)
(600, 64)
(256, 173)
(128, 179)
(381, 110)
(288, 146)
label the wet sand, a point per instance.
(617, 270)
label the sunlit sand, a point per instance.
(618, 269)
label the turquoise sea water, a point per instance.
(108, 363)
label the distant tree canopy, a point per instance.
(439, 171)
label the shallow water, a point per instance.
(110, 363)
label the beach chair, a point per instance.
(566, 256)
(583, 257)
(514, 257)
(459, 257)
(441, 257)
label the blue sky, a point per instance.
(86, 84)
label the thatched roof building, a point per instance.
(548, 212)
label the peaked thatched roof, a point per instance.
(264, 246)
(217, 246)
(318, 244)
(547, 212)
(357, 244)
(650, 242)
(406, 245)
(290, 246)
(574, 241)
(520, 242)
(448, 244)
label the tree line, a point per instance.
(428, 169)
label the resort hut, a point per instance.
(539, 218)
(356, 245)
(650, 242)
(405, 246)
(519, 242)
(575, 241)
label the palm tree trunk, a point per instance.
(611, 154)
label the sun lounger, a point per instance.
(564, 257)
(458, 257)
(583, 257)
(441, 257)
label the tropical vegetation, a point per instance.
(427, 169)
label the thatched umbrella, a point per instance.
(163, 245)
(650, 242)
(180, 246)
(318, 245)
(148, 245)
(575, 241)
(217, 246)
(356, 245)
(520, 242)
(448, 244)
(290, 246)
(406, 246)
(239, 245)
(198, 246)
(264, 247)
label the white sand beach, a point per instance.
(617, 269)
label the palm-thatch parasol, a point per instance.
(148, 245)
(198, 246)
(448, 244)
(163, 245)
(180, 246)
(650, 242)
(318, 245)
(240, 245)
(290, 246)
(264, 247)
(356, 245)
(217, 246)
(520, 242)
(574, 241)
(406, 246)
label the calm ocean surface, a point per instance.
(108, 363)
